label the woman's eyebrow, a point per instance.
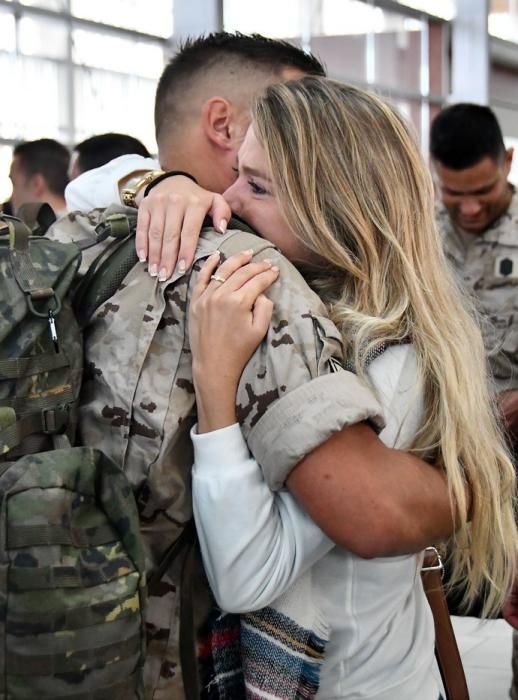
(253, 172)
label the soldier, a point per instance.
(477, 217)
(100, 149)
(39, 173)
(139, 405)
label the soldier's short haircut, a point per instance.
(101, 148)
(226, 51)
(463, 134)
(47, 157)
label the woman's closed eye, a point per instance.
(256, 188)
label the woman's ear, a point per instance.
(217, 117)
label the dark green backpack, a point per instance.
(72, 583)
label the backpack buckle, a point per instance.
(45, 295)
(55, 420)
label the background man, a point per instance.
(39, 173)
(100, 149)
(478, 219)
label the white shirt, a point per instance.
(256, 543)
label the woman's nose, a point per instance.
(231, 196)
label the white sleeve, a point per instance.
(255, 542)
(99, 187)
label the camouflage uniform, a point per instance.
(139, 406)
(487, 264)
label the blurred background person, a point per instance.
(100, 149)
(478, 219)
(39, 173)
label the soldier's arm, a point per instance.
(99, 187)
(371, 499)
(314, 429)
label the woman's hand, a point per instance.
(228, 318)
(169, 222)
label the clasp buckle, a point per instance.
(55, 420)
(432, 561)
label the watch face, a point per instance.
(128, 198)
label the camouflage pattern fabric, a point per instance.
(138, 406)
(76, 227)
(72, 586)
(72, 578)
(487, 267)
(37, 377)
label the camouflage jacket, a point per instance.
(139, 405)
(487, 266)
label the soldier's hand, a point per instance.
(228, 318)
(169, 222)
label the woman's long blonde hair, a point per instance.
(356, 191)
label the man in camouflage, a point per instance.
(477, 217)
(478, 220)
(294, 406)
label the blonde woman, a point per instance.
(332, 175)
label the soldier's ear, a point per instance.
(217, 122)
(38, 185)
(508, 160)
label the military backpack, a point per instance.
(72, 582)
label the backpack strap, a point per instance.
(187, 536)
(38, 216)
(184, 545)
(109, 269)
(51, 421)
(26, 275)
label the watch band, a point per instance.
(163, 176)
(128, 193)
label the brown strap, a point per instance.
(446, 649)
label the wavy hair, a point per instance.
(355, 190)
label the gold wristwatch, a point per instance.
(133, 186)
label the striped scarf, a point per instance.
(275, 653)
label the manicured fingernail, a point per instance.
(275, 268)
(153, 270)
(248, 252)
(223, 225)
(181, 266)
(141, 256)
(267, 261)
(162, 275)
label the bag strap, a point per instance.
(38, 216)
(187, 536)
(111, 266)
(24, 272)
(446, 649)
(183, 545)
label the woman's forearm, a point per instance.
(215, 401)
(255, 543)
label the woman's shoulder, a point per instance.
(395, 379)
